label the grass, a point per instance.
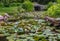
(7, 9)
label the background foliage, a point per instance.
(28, 6)
(54, 11)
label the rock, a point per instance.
(54, 21)
(39, 7)
(3, 18)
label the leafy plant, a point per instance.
(54, 11)
(20, 9)
(28, 6)
(50, 4)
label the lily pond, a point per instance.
(28, 28)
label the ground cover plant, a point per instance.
(19, 21)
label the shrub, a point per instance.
(50, 4)
(28, 6)
(20, 9)
(54, 11)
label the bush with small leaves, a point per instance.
(28, 6)
(54, 11)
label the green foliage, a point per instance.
(43, 1)
(28, 6)
(10, 10)
(6, 3)
(50, 4)
(58, 1)
(15, 4)
(1, 4)
(54, 11)
(20, 9)
(21, 1)
(38, 38)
